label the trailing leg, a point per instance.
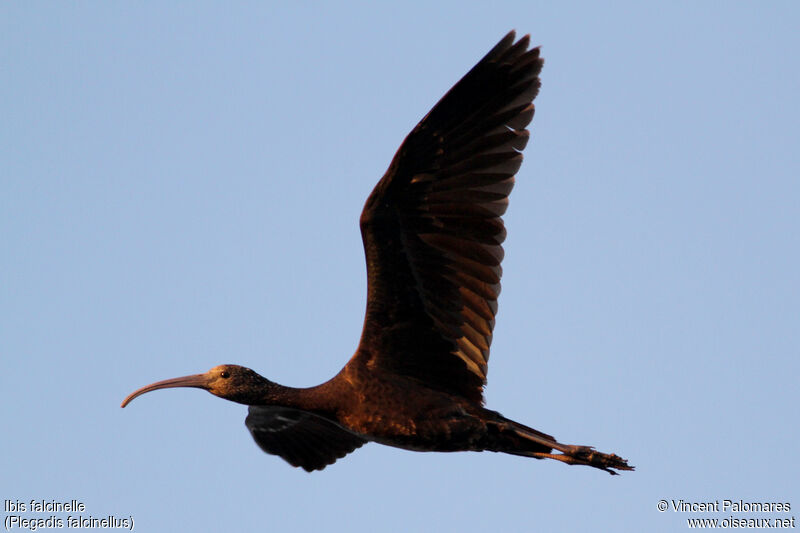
(518, 439)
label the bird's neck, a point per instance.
(258, 390)
(298, 398)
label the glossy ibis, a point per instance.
(432, 236)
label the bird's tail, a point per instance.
(517, 439)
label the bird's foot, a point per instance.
(588, 456)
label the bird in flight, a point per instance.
(432, 237)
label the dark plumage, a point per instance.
(433, 239)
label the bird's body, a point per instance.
(432, 237)
(379, 407)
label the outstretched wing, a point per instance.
(432, 230)
(301, 438)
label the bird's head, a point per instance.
(232, 382)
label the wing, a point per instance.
(432, 230)
(299, 437)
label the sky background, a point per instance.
(180, 186)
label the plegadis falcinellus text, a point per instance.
(433, 238)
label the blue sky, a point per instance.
(180, 187)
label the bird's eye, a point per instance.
(225, 374)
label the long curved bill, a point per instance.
(199, 381)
